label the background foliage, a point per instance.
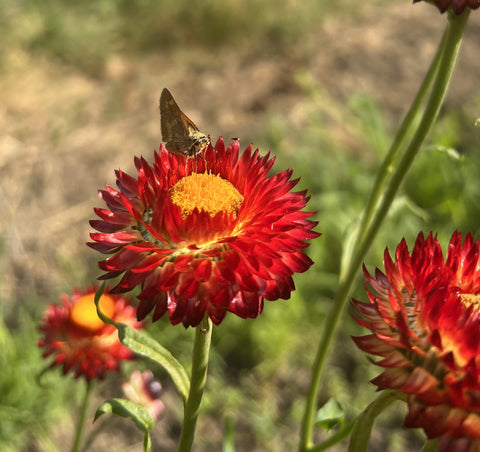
(321, 84)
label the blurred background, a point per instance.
(323, 85)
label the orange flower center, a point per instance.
(470, 299)
(84, 313)
(206, 192)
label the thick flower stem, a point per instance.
(76, 447)
(451, 45)
(201, 349)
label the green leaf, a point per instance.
(143, 344)
(330, 415)
(125, 408)
(364, 423)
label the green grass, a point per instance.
(29, 403)
(256, 357)
(84, 34)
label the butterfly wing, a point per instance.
(176, 127)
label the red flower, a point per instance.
(457, 6)
(424, 313)
(221, 238)
(79, 340)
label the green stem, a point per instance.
(83, 416)
(334, 439)
(147, 443)
(201, 348)
(364, 423)
(451, 45)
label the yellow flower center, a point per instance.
(470, 299)
(84, 312)
(206, 192)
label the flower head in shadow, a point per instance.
(78, 340)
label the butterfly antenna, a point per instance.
(200, 154)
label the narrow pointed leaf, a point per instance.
(329, 415)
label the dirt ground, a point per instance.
(63, 133)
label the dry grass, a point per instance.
(62, 133)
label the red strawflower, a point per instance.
(457, 6)
(424, 313)
(221, 238)
(78, 339)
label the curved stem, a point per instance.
(448, 56)
(147, 442)
(83, 416)
(453, 40)
(201, 349)
(334, 439)
(362, 428)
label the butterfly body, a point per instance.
(179, 133)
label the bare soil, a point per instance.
(62, 133)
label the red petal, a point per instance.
(371, 344)
(103, 226)
(109, 216)
(122, 260)
(246, 304)
(187, 286)
(182, 262)
(419, 381)
(168, 278)
(202, 269)
(117, 238)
